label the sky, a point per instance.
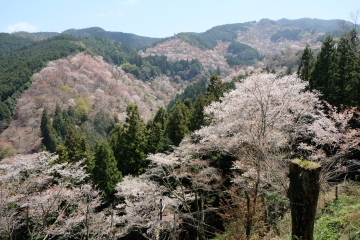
(160, 18)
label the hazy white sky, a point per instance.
(159, 18)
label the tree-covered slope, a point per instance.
(128, 38)
(18, 66)
(208, 39)
(10, 42)
(312, 23)
(37, 36)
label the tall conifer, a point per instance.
(48, 133)
(105, 173)
(306, 64)
(322, 76)
(129, 143)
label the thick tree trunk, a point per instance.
(303, 194)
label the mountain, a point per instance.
(87, 83)
(313, 24)
(11, 42)
(231, 49)
(128, 38)
(38, 36)
(266, 43)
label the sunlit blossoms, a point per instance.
(47, 199)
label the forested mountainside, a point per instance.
(18, 66)
(128, 38)
(215, 135)
(93, 87)
(265, 42)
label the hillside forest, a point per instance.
(109, 135)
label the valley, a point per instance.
(211, 135)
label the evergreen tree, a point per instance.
(336, 71)
(352, 82)
(179, 122)
(322, 75)
(75, 148)
(288, 71)
(5, 116)
(306, 64)
(215, 89)
(198, 116)
(342, 75)
(59, 123)
(105, 173)
(48, 133)
(129, 143)
(158, 141)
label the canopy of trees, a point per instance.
(335, 70)
(208, 39)
(242, 54)
(287, 33)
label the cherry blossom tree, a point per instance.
(174, 184)
(269, 120)
(265, 122)
(43, 200)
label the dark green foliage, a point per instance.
(208, 39)
(179, 122)
(347, 81)
(9, 42)
(75, 148)
(306, 64)
(48, 134)
(322, 76)
(242, 54)
(105, 173)
(158, 140)
(198, 116)
(190, 92)
(336, 70)
(112, 51)
(104, 123)
(17, 67)
(199, 40)
(229, 86)
(215, 89)
(38, 36)
(61, 123)
(149, 67)
(219, 158)
(288, 34)
(5, 113)
(128, 141)
(128, 38)
(98, 128)
(199, 96)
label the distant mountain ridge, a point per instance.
(205, 40)
(128, 38)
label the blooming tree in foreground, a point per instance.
(263, 123)
(267, 115)
(42, 200)
(174, 184)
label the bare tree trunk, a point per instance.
(248, 216)
(303, 194)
